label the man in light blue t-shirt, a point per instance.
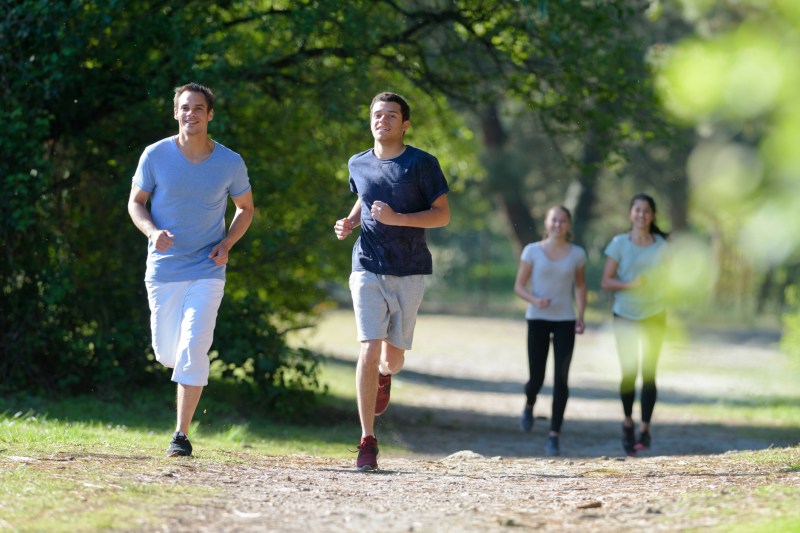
(188, 178)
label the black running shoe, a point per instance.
(629, 440)
(179, 446)
(526, 420)
(644, 441)
(551, 448)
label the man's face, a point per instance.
(192, 113)
(386, 122)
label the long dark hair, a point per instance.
(654, 229)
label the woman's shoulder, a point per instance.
(532, 248)
(618, 240)
(577, 250)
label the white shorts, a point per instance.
(386, 306)
(183, 315)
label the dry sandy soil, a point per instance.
(455, 406)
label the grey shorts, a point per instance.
(386, 306)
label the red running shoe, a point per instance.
(367, 454)
(643, 443)
(384, 390)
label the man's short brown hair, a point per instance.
(195, 88)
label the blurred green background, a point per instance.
(526, 104)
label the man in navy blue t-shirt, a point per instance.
(401, 191)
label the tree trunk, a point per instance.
(506, 184)
(582, 192)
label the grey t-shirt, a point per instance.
(189, 200)
(554, 279)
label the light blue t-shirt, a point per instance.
(634, 261)
(554, 279)
(188, 200)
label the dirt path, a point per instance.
(455, 406)
(470, 469)
(461, 388)
(466, 492)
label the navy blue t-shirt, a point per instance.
(409, 183)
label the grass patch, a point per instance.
(782, 413)
(767, 508)
(32, 426)
(788, 458)
(83, 496)
(84, 464)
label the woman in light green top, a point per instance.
(631, 272)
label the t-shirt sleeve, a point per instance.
(614, 249)
(527, 253)
(143, 177)
(241, 181)
(433, 184)
(581, 259)
(350, 164)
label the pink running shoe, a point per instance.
(384, 390)
(367, 454)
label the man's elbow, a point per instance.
(133, 208)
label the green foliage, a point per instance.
(734, 81)
(790, 340)
(737, 82)
(87, 85)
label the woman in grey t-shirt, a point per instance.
(631, 272)
(551, 278)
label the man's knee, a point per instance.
(393, 357)
(370, 352)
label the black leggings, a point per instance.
(563, 333)
(639, 339)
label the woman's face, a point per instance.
(557, 223)
(641, 215)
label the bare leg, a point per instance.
(367, 384)
(375, 356)
(392, 359)
(187, 400)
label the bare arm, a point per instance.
(137, 209)
(435, 217)
(242, 219)
(521, 286)
(610, 282)
(580, 298)
(345, 226)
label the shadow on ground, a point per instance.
(436, 432)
